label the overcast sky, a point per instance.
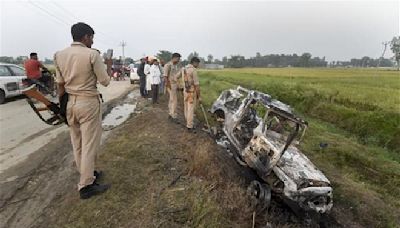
(339, 30)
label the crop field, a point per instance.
(356, 112)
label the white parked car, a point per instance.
(134, 77)
(11, 77)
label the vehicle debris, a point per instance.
(263, 133)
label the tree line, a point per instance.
(282, 60)
(294, 60)
(238, 61)
(20, 60)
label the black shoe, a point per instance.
(98, 175)
(192, 130)
(92, 190)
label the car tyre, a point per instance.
(2, 96)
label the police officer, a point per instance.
(191, 91)
(172, 74)
(78, 69)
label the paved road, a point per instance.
(22, 132)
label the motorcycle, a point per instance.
(36, 90)
(46, 83)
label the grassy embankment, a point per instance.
(163, 177)
(355, 111)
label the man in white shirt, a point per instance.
(155, 77)
(132, 68)
(147, 73)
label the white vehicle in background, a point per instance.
(11, 77)
(134, 77)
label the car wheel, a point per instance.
(260, 195)
(2, 96)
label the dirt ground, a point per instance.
(29, 187)
(161, 176)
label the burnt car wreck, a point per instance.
(263, 133)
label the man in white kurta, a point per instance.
(155, 77)
(147, 72)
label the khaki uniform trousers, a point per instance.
(189, 103)
(173, 100)
(84, 119)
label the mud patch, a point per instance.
(120, 112)
(117, 116)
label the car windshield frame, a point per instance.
(294, 131)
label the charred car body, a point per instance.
(262, 133)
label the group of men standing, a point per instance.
(150, 74)
(79, 69)
(176, 80)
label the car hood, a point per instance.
(301, 170)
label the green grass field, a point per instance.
(355, 111)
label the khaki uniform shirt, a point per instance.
(191, 72)
(173, 72)
(80, 68)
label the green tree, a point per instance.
(191, 55)
(365, 61)
(6, 59)
(164, 55)
(225, 60)
(236, 61)
(129, 60)
(305, 59)
(395, 47)
(20, 59)
(48, 61)
(210, 58)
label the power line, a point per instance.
(65, 23)
(65, 10)
(103, 38)
(385, 44)
(73, 17)
(48, 13)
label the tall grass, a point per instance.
(365, 103)
(357, 112)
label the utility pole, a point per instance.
(385, 44)
(123, 44)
